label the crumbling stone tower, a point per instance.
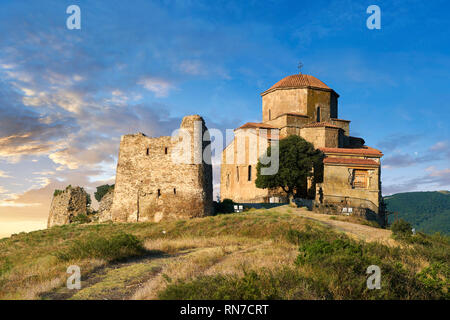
(164, 177)
(66, 205)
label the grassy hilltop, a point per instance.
(427, 211)
(282, 253)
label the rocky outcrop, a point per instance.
(105, 204)
(66, 205)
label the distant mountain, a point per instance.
(426, 211)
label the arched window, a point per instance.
(249, 173)
(174, 190)
(148, 151)
(165, 150)
(159, 193)
(318, 114)
(237, 174)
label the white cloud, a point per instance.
(159, 87)
(192, 67)
(66, 99)
(3, 174)
(28, 92)
(8, 203)
(439, 146)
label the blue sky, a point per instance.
(66, 96)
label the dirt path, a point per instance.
(354, 230)
(116, 281)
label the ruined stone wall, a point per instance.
(152, 185)
(105, 205)
(65, 206)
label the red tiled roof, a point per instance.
(300, 80)
(336, 119)
(350, 161)
(321, 124)
(360, 151)
(256, 125)
(297, 114)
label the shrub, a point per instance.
(81, 218)
(254, 285)
(116, 247)
(401, 228)
(57, 192)
(226, 206)
(5, 265)
(434, 278)
(102, 190)
(338, 264)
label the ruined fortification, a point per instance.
(105, 205)
(165, 177)
(66, 205)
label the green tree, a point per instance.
(401, 228)
(297, 158)
(102, 190)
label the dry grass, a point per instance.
(213, 256)
(230, 244)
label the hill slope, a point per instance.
(426, 211)
(281, 253)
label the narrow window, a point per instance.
(159, 193)
(249, 173)
(228, 181)
(174, 190)
(270, 116)
(148, 151)
(237, 174)
(318, 114)
(165, 150)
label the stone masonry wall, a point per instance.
(336, 182)
(281, 101)
(151, 185)
(67, 205)
(321, 136)
(105, 205)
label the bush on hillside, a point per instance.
(254, 285)
(401, 228)
(225, 206)
(116, 247)
(81, 218)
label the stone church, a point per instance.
(303, 105)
